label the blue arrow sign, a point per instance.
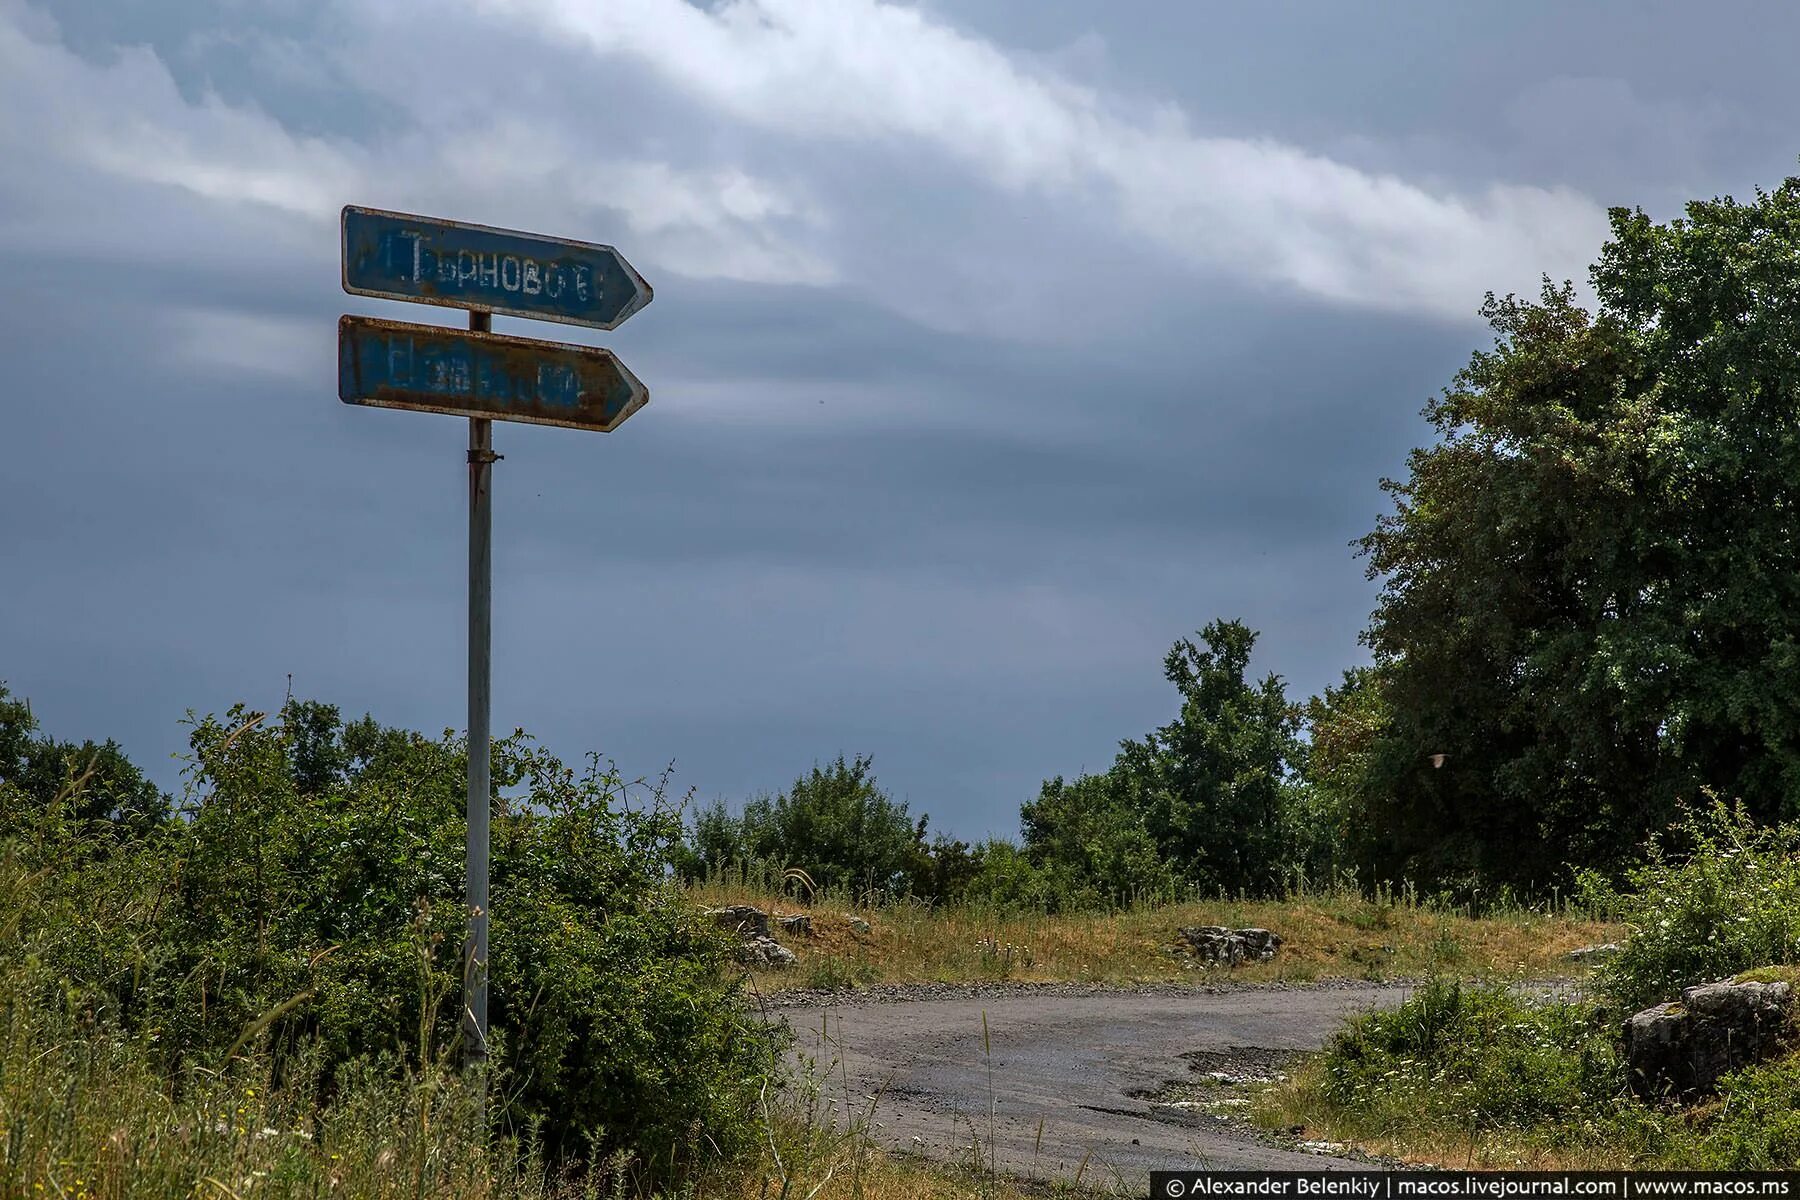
(431, 261)
(396, 364)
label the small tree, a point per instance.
(834, 823)
(1218, 784)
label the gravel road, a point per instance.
(1076, 1062)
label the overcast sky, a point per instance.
(996, 345)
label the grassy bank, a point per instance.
(1472, 1075)
(1326, 935)
(1477, 1077)
(88, 1121)
(88, 1112)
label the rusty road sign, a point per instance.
(486, 377)
(396, 364)
(426, 260)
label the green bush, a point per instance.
(1471, 1057)
(91, 785)
(1089, 838)
(1754, 1127)
(1009, 880)
(308, 906)
(1718, 894)
(835, 823)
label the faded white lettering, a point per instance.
(530, 282)
(399, 360)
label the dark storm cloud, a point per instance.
(949, 438)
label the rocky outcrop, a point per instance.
(757, 947)
(800, 925)
(1217, 944)
(1678, 1051)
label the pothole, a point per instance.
(1219, 1083)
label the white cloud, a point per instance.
(128, 120)
(861, 70)
(94, 147)
(811, 78)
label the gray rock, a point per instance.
(799, 923)
(1217, 944)
(744, 919)
(756, 945)
(1595, 953)
(857, 923)
(1678, 1051)
(761, 950)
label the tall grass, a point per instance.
(89, 1110)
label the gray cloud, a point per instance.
(968, 398)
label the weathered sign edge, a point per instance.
(640, 394)
(645, 293)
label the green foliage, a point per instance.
(1217, 783)
(91, 785)
(1754, 1127)
(836, 824)
(1344, 771)
(1091, 839)
(1719, 894)
(1591, 599)
(1010, 881)
(1471, 1057)
(308, 908)
(1210, 801)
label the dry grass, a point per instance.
(1333, 935)
(1296, 1108)
(876, 1173)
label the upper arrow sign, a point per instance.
(431, 261)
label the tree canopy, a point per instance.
(1590, 602)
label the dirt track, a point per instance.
(1079, 1064)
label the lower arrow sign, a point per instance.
(395, 364)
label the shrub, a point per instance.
(1008, 879)
(1211, 801)
(1089, 838)
(1755, 1125)
(91, 784)
(1471, 1057)
(835, 823)
(326, 926)
(1717, 895)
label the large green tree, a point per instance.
(1591, 580)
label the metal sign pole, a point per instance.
(481, 579)
(486, 377)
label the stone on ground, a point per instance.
(1678, 1051)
